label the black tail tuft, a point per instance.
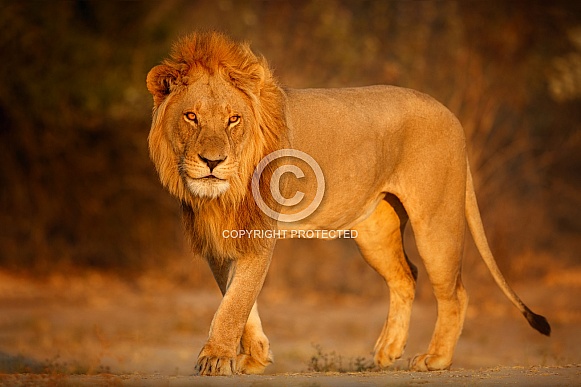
(538, 322)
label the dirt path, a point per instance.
(99, 331)
(500, 376)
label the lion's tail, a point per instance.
(538, 322)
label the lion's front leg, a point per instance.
(240, 282)
(255, 352)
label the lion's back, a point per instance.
(351, 119)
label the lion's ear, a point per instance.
(160, 81)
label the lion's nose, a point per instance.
(212, 163)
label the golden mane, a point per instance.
(214, 54)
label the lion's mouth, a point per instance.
(208, 178)
(208, 186)
(211, 179)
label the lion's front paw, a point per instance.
(216, 366)
(212, 363)
(255, 356)
(427, 362)
(249, 365)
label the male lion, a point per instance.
(388, 155)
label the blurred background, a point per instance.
(78, 191)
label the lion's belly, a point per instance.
(334, 214)
(337, 198)
(328, 222)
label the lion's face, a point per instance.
(209, 124)
(217, 112)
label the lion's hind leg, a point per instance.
(380, 240)
(440, 244)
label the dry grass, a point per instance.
(323, 361)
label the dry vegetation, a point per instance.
(78, 192)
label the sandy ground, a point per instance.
(94, 330)
(500, 376)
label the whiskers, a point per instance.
(202, 183)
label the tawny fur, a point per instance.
(389, 155)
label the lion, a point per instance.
(389, 155)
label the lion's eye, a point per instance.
(234, 120)
(191, 116)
